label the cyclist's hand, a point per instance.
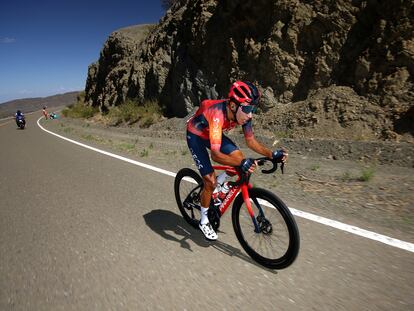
(280, 155)
(247, 165)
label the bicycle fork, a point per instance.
(246, 199)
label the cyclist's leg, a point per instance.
(229, 147)
(198, 148)
(209, 181)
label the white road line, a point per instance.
(322, 220)
(355, 230)
(150, 167)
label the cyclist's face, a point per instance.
(248, 109)
(244, 114)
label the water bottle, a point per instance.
(220, 181)
(224, 190)
(215, 195)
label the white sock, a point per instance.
(204, 217)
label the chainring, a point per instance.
(214, 217)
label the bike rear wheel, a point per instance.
(187, 188)
(276, 244)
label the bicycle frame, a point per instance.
(234, 191)
(260, 247)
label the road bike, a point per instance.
(263, 224)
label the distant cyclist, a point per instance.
(44, 112)
(205, 131)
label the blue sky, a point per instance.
(46, 46)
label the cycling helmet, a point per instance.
(19, 112)
(244, 93)
(240, 93)
(255, 93)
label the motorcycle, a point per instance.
(21, 122)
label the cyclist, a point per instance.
(44, 112)
(205, 131)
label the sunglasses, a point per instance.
(248, 109)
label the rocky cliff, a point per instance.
(318, 63)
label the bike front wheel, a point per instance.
(272, 239)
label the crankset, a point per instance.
(214, 217)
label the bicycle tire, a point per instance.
(290, 252)
(180, 196)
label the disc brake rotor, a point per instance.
(264, 225)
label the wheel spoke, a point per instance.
(187, 190)
(269, 243)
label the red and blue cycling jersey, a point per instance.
(210, 120)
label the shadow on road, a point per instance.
(170, 225)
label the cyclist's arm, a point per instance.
(256, 146)
(252, 143)
(215, 124)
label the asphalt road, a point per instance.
(83, 231)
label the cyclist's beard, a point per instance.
(241, 117)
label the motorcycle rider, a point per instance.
(19, 117)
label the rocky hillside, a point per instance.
(334, 69)
(26, 105)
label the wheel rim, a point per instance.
(188, 197)
(272, 242)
